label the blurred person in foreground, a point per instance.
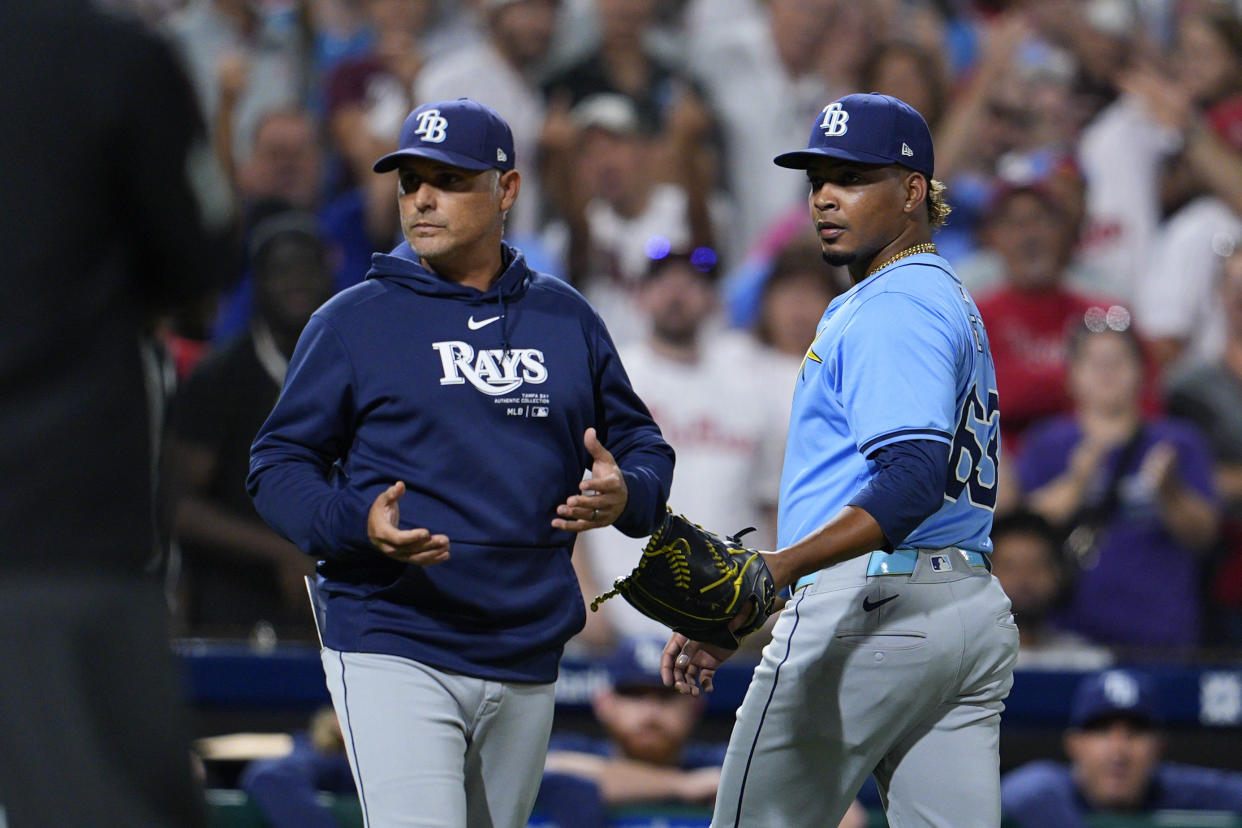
(112, 214)
(1114, 745)
(648, 755)
(1133, 494)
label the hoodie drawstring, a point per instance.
(504, 322)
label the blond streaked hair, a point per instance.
(937, 208)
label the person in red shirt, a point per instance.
(1027, 316)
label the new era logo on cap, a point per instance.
(868, 128)
(463, 133)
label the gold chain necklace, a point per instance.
(924, 247)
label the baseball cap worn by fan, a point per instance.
(635, 665)
(463, 133)
(609, 111)
(869, 128)
(1115, 694)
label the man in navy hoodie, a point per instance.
(429, 450)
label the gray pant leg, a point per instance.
(795, 757)
(959, 748)
(405, 738)
(93, 728)
(504, 763)
(914, 775)
(434, 749)
(840, 688)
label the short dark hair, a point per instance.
(269, 233)
(1026, 522)
(931, 69)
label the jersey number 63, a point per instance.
(973, 457)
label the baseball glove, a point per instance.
(695, 582)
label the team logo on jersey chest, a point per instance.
(493, 371)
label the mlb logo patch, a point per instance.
(941, 563)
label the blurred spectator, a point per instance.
(1026, 559)
(1176, 301)
(1032, 235)
(285, 789)
(911, 73)
(1210, 396)
(240, 578)
(762, 79)
(622, 63)
(722, 402)
(647, 757)
(244, 60)
(112, 214)
(501, 71)
(794, 296)
(1014, 117)
(1176, 297)
(367, 100)
(1160, 113)
(615, 210)
(1114, 745)
(669, 107)
(287, 168)
(1133, 494)
(285, 160)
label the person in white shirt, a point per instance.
(500, 71)
(762, 80)
(722, 402)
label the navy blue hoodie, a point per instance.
(478, 401)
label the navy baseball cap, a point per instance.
(1115, 694)
(869, 128)
(463, 133)
(635, 664)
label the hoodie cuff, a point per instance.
(344, 529)
(638, 519)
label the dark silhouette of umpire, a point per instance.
(107, 213)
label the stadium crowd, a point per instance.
(1092, 153)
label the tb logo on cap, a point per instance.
(835, 119)
(432, 127)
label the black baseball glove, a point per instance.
(696, 582)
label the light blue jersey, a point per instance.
(901, 356)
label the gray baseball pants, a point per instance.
(910, 689)
(432, 748)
